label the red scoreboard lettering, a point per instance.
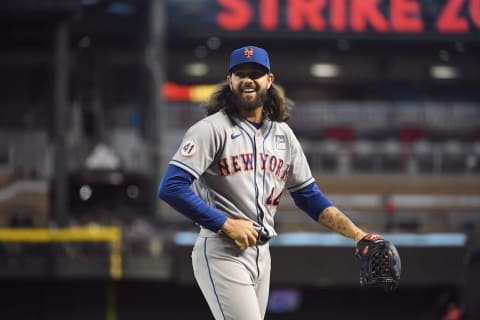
(406, 16)
(366, 12)
(269, 14)
(397, 16)
(301, 13)
(236, 15)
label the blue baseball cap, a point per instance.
(249, 54)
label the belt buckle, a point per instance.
(263, 236)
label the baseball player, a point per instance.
(228, 176)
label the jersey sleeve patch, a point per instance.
(188, 149)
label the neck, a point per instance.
(253, 115)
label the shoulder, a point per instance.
(219, 121)
(209, 121)
(283, 127)
(213, 124)
(219, 117)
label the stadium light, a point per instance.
(443, 72)
(196, 69)
(325, 70)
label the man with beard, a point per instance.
(242, 157)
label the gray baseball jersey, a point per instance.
(242, 171)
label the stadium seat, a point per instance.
(391, 155)
(453, 156)
(422, 154)
(364, 156)
(473, 158)
(328, 151)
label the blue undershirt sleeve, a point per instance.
(311, 200)
(175, 190)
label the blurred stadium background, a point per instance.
(96, 94)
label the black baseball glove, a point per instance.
(380, 264)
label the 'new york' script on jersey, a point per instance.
(244, 162)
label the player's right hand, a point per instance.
(241, 231)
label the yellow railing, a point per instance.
(113, 235)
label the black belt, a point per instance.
(263, 236)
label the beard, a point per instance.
(244, 104)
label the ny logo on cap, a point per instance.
(248, 52)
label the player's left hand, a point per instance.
(380, 264)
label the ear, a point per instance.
(270, 79)
(229, 81)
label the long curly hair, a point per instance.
(277, 106)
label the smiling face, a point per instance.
(249, 84)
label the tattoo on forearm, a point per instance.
(338, 222)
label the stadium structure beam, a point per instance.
(157, 117)
(60, 96)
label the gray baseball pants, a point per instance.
(234, 282)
